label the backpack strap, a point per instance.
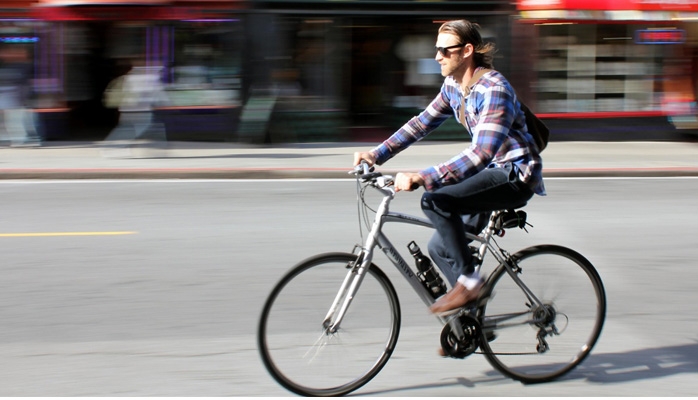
(536, 127)
(476, 77)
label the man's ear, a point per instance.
(468, 50)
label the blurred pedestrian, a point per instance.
(500, 169)
(16, 118)
(135, 94)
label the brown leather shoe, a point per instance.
(456, 298)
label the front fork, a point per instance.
(357, 271)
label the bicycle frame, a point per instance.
(376, 237)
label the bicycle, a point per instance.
(332, 321)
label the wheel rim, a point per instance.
(308, 361)
(566, 326)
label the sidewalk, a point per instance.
(188, 160)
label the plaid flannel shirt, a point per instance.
(497, 127)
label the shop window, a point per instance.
(204, 64)
(599, 68)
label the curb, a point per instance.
(174, 173)
(621, 172)
(294, 173)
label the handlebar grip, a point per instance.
(414, 186)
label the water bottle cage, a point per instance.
(424, 275)
(435, 286)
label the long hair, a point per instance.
(467, 32)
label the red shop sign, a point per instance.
(609, 5)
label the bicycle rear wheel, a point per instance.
(538, 343)
(297, 349)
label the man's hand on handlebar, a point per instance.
(364, 156)
(408, 181)
(404, 181)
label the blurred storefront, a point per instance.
(612, 58)
(79, 47)
(327, 70)
(349, 70)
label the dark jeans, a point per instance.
(466, 206)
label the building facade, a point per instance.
(619, 58)
(323, 70)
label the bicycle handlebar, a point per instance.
(367, 174)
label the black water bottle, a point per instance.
(428, 274)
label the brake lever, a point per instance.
(362, 169)
(370, 176)
(387, 180)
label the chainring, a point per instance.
(471, 338)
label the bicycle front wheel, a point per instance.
(541, 335)
(297, 348)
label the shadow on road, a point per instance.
(636, 365)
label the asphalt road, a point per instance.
(154, 288)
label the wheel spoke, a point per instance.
(316, 348)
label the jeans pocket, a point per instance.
(512, 175)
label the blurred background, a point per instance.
(271, 71)
(118, 287)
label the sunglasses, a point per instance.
(445, 50)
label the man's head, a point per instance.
(459, 43)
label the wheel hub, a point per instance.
(544, 315)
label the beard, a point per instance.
(452, 67)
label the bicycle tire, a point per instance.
(575, 304)
(291, 325)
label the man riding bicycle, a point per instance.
(501, 168)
